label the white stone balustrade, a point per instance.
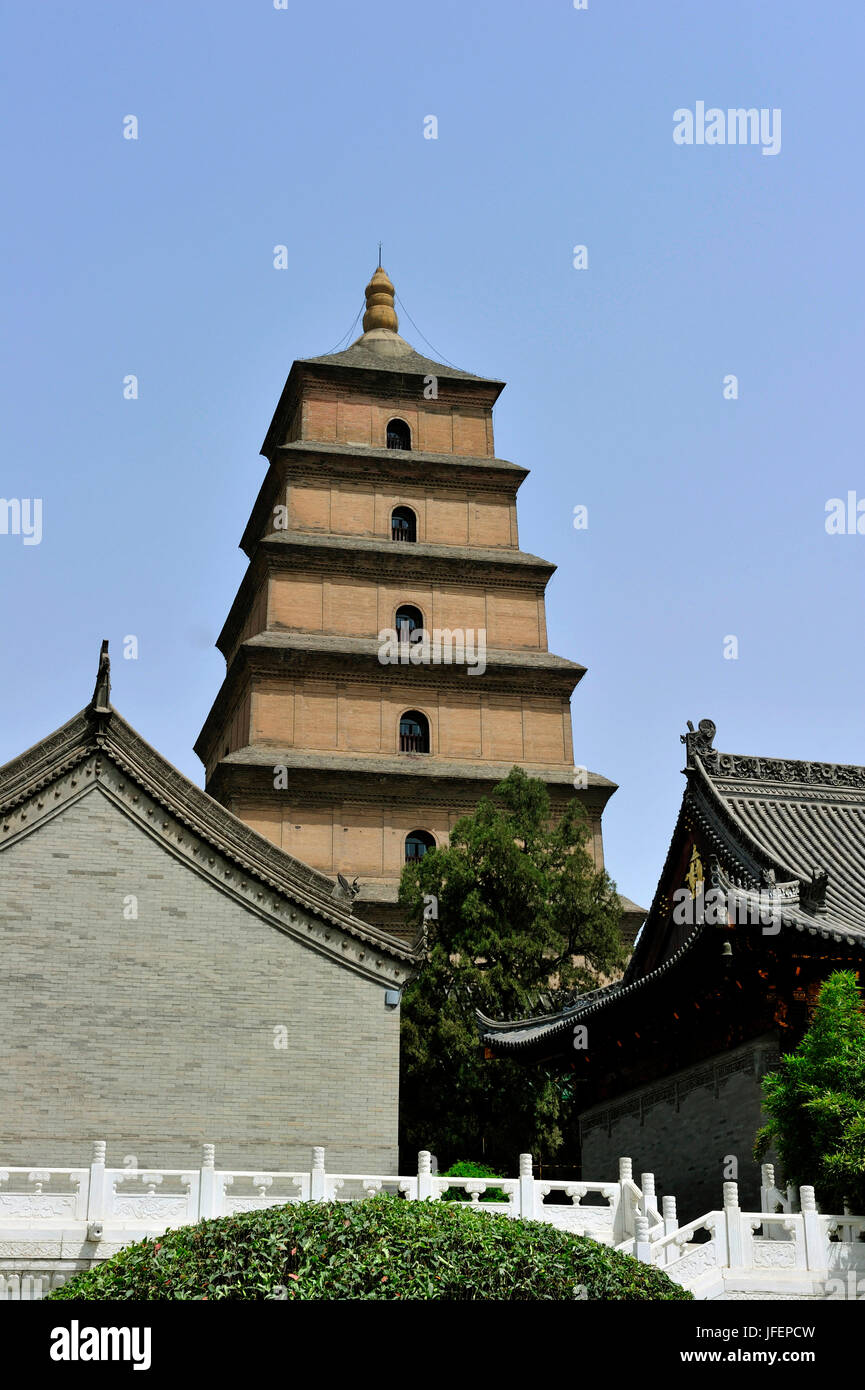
(767, 1254)
(57, 1221)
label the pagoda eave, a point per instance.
(303, 460)
(397, 561)
(369, 775)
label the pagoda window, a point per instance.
(398, 435)
(417, 844)
(413, 732)
(408, 620)
(403, 524)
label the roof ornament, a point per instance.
(346, 892)
(380, 312)
(101, 701)
(699, 741)
(812, 892)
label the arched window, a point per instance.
(398, 435)
(408, 620)
(403, 524)
(417, 844)
(413, 732)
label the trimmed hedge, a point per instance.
(379, 1248)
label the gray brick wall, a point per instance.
(158, 1034)
(686, 1138)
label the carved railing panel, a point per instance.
(255, 1191)
(43, 1194)
(137, 1196)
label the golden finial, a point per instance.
(380, 312)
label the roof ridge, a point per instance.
(105, 732)
(760, 767)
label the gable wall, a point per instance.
(158, 1034)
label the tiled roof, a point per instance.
(788, 819)
(370, 358)
(804, 815)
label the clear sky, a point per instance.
(304, 127)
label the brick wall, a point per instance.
(349, 606)
(328, 716)
(444, 516)
(158, 1034)
(364, 840)
(437, 426)
(685, 1130)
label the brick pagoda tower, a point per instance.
(385, 508)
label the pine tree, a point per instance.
(816, 1101)
(512, 909)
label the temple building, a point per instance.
(761, 897)
(386, 652)
(168, 976)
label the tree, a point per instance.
(816, 1101)
(512, 908)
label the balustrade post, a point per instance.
(96, 1188)
(527, 1188)
(647, 1193)
(767, 1185)
(626, 1217)
(207, 1183)
(642, 1246)
(733, 1224)
(671, 1224)
(317, 1177)
(424, 1175)
(816, 1252)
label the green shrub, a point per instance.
(815, 1100)
(467, 1169)
(374, 1249)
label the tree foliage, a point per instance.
(513, 909)
(816, 1101)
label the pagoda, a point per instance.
(386, 652)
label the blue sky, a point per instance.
(304, 127)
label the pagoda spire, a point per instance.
(380, 312)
